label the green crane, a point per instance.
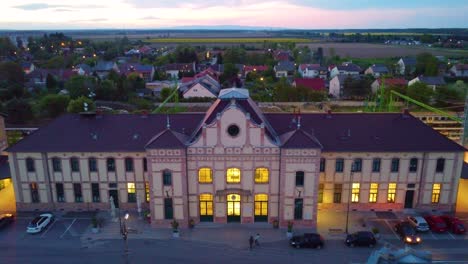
(174, 94)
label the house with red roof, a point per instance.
(316, 84)
(389, 82)
(281, 55)
(146, 72)
(253, 68)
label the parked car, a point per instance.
(307, 240)
(436, 223)
(454, 224)
(39, 223)
(6, 219)
(407, 233)
(418, 223)
(361, 238)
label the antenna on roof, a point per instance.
(168, 124)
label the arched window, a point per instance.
(261, 175)
(261, 207)
(128, 164)
(110, 164)
(30, 165)
(233, 175)
(205, 175)
(56, 164)
(75, 165)
(206, 207)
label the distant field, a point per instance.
(228, 40)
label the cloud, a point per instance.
(36, 6)
(63, 10)
(150, 18)
(89, 20)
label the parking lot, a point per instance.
(66, 227)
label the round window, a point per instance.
(233, 130)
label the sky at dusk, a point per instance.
(303, 14)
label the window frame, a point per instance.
(110, 164)
(78, 192)
(373, 192)
(92, 164)
(357, 165)
(74, 164)
(262, 179)
(208, 203)
(145, 165)
(395, 165)
(391, 192)
(30, 165)
(60, 192)
(413, 165)
(95, 192)
(203, 177)
(166, 177)
(337, 192)
(376, 164)
(261, 204)
(320, 193)
(147, 192)
(168, 209)
(34, 188)
(339, 165)
(435, 193)
(229, 178)
(56, 164)
(355, 192)
(323, 163)
(440, 165)
(129, 164)
(298, 211)
(300, 178)
(131, 192)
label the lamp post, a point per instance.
(349, 196)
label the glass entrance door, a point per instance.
(233, 207)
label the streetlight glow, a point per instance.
(126, 216)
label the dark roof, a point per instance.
(167, 139)
(299, 139)
(4, 168)
(285, 66)
(349, 67)
(432, 80)
(104, 66)
(128, 68)
(379, 68)
(409, 61)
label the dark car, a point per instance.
(454, 224)
(6, 219)
(436, 223)
(407, 233)
(361, 238)
(307, 240)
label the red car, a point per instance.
(436, 223)
(454, 224)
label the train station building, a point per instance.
(235, 163)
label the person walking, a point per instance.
(257, 240)
(251, 241)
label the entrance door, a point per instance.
(261, 208)
(114, 194)
(233, 207)
(409, 199)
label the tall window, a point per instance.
(75, 165)
(261, 175)
(167, 177)
(34, 192)
(131, 192)
(95, 192)
(110, 164)
(60, 192)
(339, 165)
(56, 165)
(298, 204)
(436, 192)
(261, 206)
(357, 165)
(128, 164)
(233, 175)
(355, 192)
(320, 193)
(168, 210)
(440, 165)
(30, 165)
(413, 165)
(322, 164)
(299, 178)
(145, 165)
(206, 206)
(391, 192)
(77, 192)
(92, 164)
(376, 165)
(337, 190)
(374, 189)
(147, 192)
(205, 175)
(395, 165)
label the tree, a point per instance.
(57, 62)
(229, 75)
(80, 86)
(18, 111)
(106, 91)
(426, 64)
(420, 92)
(53, 105)
(12, 73)
(134, 82)
(51, 83)
(165, 92)
(78, 105)
(234, 55)
(185, 54)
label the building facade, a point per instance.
(236, 164)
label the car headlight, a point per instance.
(408, 239)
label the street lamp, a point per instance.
(349, 195)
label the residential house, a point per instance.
(459, 70)
(203, 86)
(377, 70)
(406, 65)
(346, 68)
(83, 69)
(431, 81)
(172, 70)
(337, 84)
(284, 69)
(313, 71)
(281, 55)
(316, 84)
(253, 68)
(389, 82)
(28, 67)
(38, 77)
(218, 68)
(146, 72)
(103, 68)
(146, 50)
(157, 86)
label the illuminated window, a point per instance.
(147, 192)
(205, 175)
(206, 204)
(355, 193)
(30, 165)
(320, 193)
(374, 189)
(131, 192)
(436, 192)
(261, 205)
(233, 202)
(261, 175)
(391, 192)
(233, 175)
